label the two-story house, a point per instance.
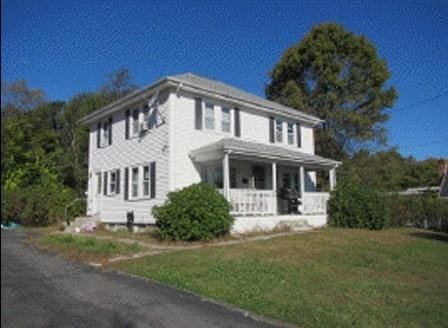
(184, 129)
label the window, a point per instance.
(225, 119)
(105, 134)
(146, 115)
(233, 178)
(278, 131)
(286, 180)
(98, 183)
(290, 134)
(113, 182)
(134, 182)
(146, 180)
(135, 121)
(209, 116)
(217, 177)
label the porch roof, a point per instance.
(258, 150)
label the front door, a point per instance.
(259, 177)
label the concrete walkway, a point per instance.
(158, 248)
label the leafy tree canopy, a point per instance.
(338, 76)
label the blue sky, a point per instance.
(66, 47)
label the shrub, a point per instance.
(354, 206)
(197, 212)
(38, 205)
(425, 211)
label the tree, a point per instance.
(118, 84)
(18, 95)
(339, 77)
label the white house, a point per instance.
(185, 128)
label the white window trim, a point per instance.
(140, 181)
(134, 134)
(294, 139)
(282, 124)
(230, 119)
(109, 182)
(104, 134)
(143, 181)
(204, 111)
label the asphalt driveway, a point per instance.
(40, 289)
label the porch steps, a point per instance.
(80, 222)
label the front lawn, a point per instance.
(87, 248)
(331, 277)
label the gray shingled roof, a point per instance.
(218, 87)
(249, 148)
(206, 85)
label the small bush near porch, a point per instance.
(328, 278)
(197, 212)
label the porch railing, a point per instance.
(264, 202)
(315, 202)
(252, 201)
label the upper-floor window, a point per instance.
(290, 133)
(135, 121)
(278, 131)
(209, 116)
(104, 133)
(225, 119)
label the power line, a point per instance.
(424, 144)
(422, 102)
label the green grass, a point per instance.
(328, 278)
(87, 247)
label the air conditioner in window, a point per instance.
(143, 127)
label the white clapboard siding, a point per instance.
(152, 147)
(169, 146)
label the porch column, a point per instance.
(332, 178)
(226, 176)
(302, 181)
(274, 186)
(302, 188)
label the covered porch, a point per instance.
(266, 180)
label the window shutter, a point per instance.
(98, 135)
(153, 179)
(198, 113)
(110, 130)
(237, 122)
(271, 129)
(299, 135)
(117, 188)
(126, 183)
(105, 184)
(126, 126)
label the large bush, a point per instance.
(39, 205)
(197, 212)
(354, 206)
(425, 211)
